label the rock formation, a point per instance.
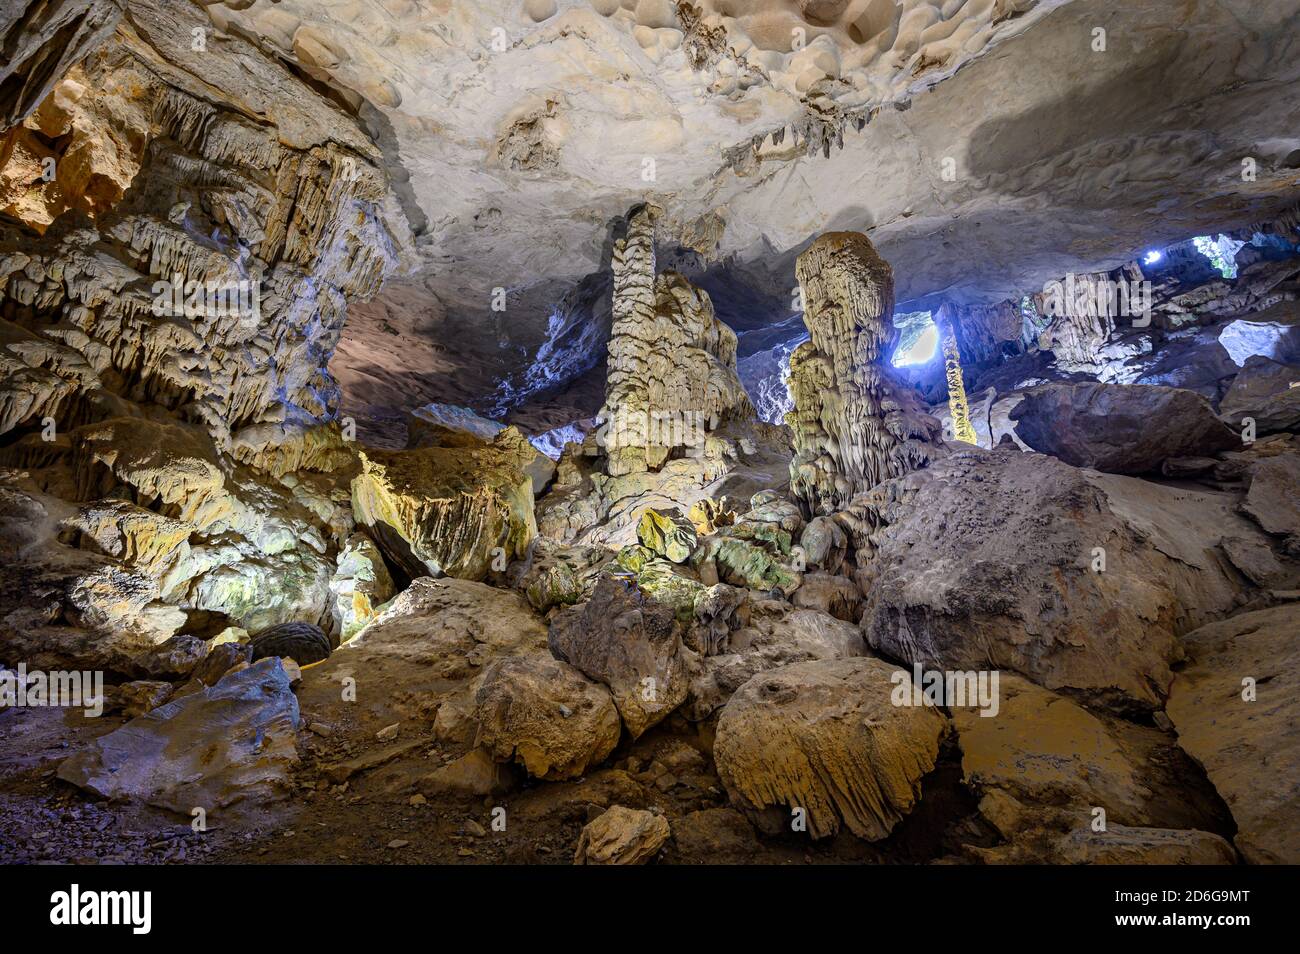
(823, 742)
(451, 511)
(672, 364)
(854, 423)
(1031, 554)
(209, 749)
(1121, 429)
(506, 570)
(1233, 707)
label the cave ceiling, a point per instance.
(1000, 146)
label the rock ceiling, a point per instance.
(1000, 148)
(986, 146)
(517, 131)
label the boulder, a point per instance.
(1119, 428)
(210, 749)
(454, 511)
(1234, 706)
(1274, 498)
(1038, 834)
(449, 425)
(1043, 749)
(1017, 561)
(825, 737)
(545, 715)
(835, 595)
(631, 643)
(304, 643)
(475, 773)
(1267, 392)
(621, 836)
(663, 536)
(775, 636)
(436, 633)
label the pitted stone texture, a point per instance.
(1017, 561)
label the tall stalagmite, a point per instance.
(854, 423)
(672, 364)
(962, 429)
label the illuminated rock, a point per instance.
(855, 424)
(545, 715)
(822, 743)
(211, 749)
(453, 511)
(672, 365)
(360, 584)
(621, 836)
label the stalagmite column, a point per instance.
(962, 429)
(634, 313)
(672, 364)
(854, 423)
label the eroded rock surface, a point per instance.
(1234, 707)
(823, 737)
(210, 749)
(545, 715)
(855, 424)
(994, 559)
(629, 642)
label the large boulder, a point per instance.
(1267, 392)
(437, 632)
(826, 737)
(1235, 707)
(455, 511)
(209, 749)
(776, 636)
(1075, 579)
(1119, 428)
(855, 421)
(545, 715)
(629, 641)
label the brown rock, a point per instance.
(621, 836)
(545, 715)
(825, 737)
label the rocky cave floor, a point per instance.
(380, 818)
